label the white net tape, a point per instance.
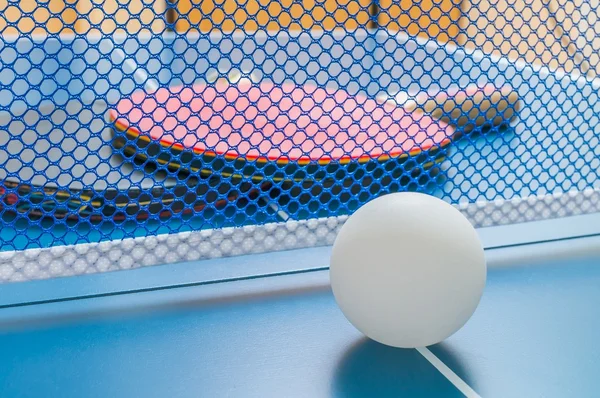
(198, 245)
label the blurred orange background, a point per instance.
(561, 34)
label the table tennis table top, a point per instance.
(267, 324)
(268, 332)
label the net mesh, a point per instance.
(145, 132)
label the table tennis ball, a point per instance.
(407, 270)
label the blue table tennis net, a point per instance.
(511, 88)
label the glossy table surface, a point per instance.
(276, 331)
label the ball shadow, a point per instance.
(370, 369)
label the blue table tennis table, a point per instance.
(266, 324)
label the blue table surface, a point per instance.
(534, 335)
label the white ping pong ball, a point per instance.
(407, 270)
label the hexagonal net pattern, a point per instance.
(142, 132)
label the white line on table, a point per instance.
(448, 373)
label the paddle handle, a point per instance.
(475, 106)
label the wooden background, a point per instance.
(556, 33)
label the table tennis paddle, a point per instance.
(285, 132)
(163, 201)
